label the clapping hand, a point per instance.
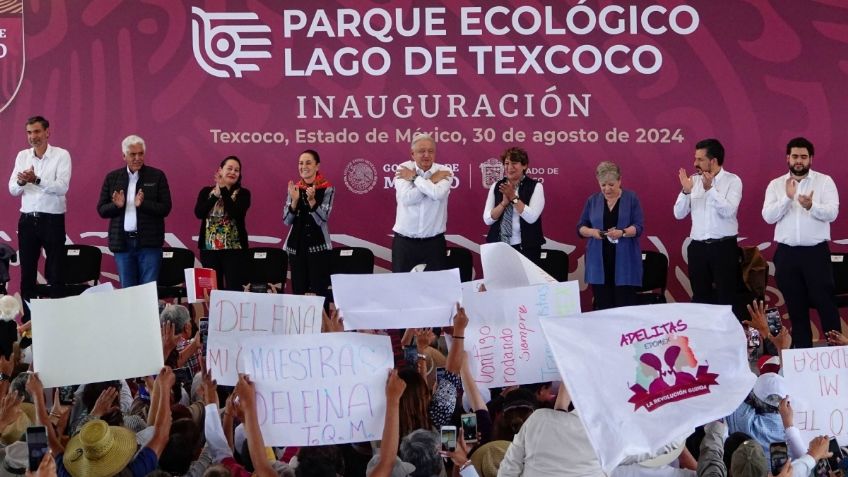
(294, 193)
(139, 198)
(119, 199)
(685, 180)
(806, 201)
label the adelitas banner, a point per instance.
(665, 369)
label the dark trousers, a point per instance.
(228, 267)
(310, 272)
(409, 252)
(533, 253)
(805, 278)
(714, 270)
(611, 296)
(37, 231)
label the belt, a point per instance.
(716, 240)
(419, 239)
(39, 214)
(131, 234)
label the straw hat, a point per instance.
(487, 459)
(99, 450)
(14, 431)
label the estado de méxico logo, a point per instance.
(667, 369)
(12, 57)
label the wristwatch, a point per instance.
(514, 200)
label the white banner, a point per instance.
(97, 336)
(504, 339)
(397, 300)
(504, 267)
(817, 383)
(234, 316)
(330, 389)
(643, 376)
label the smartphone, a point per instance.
(183, 375)
(410, 355)
(754, 341)
(835, 461)
(440, 374)
(204, 333)
(448, 438)
(779, 453)
(773, 318)
(36, 437)
(66, 394)
(469, 427)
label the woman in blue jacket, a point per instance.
(612, 221)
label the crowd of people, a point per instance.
(182, 423)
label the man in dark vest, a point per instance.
(514, 207)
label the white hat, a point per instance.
(770, 388)
(9, 307)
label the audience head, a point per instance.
(423, 149)
(732, 443)
(319, 461)
(517, 407)
(749, 460)
(133, 149)
(230, 171)
(421, 448)
(709, 149)
(799, 156)
(414, 402)
(179, 317)
(183, 447)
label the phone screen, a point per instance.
(449, 438)
(66, 395)
(36, 437)
(779, 454)
(469, 427)
(410, 355)
(204, 333)
(836, 460)
(773, 318)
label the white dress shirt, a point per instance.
(54, 170)
(422, 207)
(797, 226)
(130, 216)
(713, 211)
(531, 213)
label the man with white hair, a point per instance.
(421, 190)
(136, 199)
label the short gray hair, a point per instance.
(420, 136)
(176, 314)
(606, 169)
(131, 140)
(421, 449)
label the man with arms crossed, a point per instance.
(712, 196)
(421, 190)
(802, 204)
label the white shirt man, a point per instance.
(41, 176)
(712, 197)
(802, 204)
(421, 189)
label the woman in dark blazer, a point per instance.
(612, 221)
(221, 209)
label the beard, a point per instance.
(799, 172)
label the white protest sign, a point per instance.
(397, 300)
(97, 336)
(329, 389)
(818, 378)
(642, 376)
(504, 267)
(234, 316)
(504, 339)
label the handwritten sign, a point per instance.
(235, 316)
(504, 338)
(329, 389)
(818, 377)
(397, 300)
(97, 336)
(504, 267)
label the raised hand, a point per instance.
(460, 321)
(707, 179)
(685, 180)
(119, 199)
(394, 387)
(791, 188)
(806, 201)
(106, 402)
(758, 321)
(332, 323)
(836, 338)
(139, 197)
(508, 191)
(310, 195)
(294, 193)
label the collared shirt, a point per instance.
(54, 170)
(795, 224)
(531, 212)
(422, 206)
(130, 216)
(713, 211)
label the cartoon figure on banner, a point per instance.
(668, 371)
